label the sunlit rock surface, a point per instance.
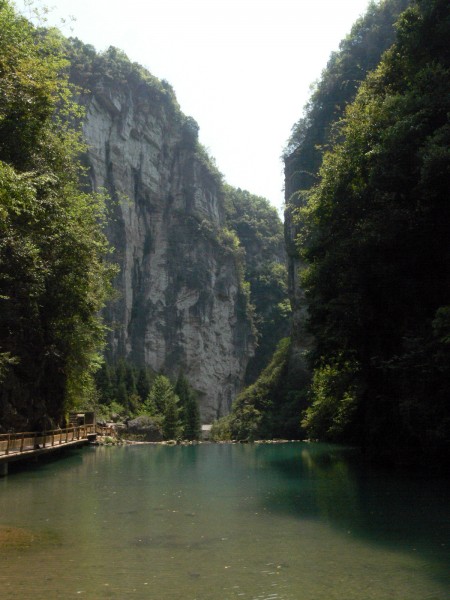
(180, 304)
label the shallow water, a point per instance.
(222, 522)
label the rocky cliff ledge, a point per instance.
(181, 304)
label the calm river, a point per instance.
(221, 522)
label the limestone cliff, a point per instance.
(181, 304)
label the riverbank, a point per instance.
(111, 441)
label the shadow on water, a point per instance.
(62, 458)
(403, 511)
(328, 525)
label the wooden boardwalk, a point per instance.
(24, 445)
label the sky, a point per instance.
(243, 69)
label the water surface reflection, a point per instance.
(404, 511)
(221, 522)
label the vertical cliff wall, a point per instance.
(181, 304)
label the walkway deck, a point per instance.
(23, 445)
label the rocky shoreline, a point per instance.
(117, 441)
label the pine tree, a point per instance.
(191, 417)
(160, 393)
(189, 410)
(171, 422)
(149, 407)
(130, 379)
(143, 384)
(104, 384)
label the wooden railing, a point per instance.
(102, 430)
(17, 443)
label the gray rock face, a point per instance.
(147, 428)
(180, 304)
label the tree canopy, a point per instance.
(374, 234)
(54, 278)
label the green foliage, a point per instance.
(269, 408)
(334, 396)
(117, 410)
(189, 409)
(374, 234)
(220, 430)
(246, 423)
(171, 424)
(144, 382)
(318, 129)
(90, 69)
(5, 361)
(228, 240)
(163, 403)
(207, 161)
(149, 407)
(315, 134)
(53, 275)
(130, 391)
(123, 383)
(160, 392)
(359, 53)
(258, 233)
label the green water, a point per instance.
(222, 522)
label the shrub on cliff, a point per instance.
(259, 232)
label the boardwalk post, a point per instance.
(7, 444)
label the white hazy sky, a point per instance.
(241, 68)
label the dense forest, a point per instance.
(374, 236)
(153, 406)
(54, 278)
